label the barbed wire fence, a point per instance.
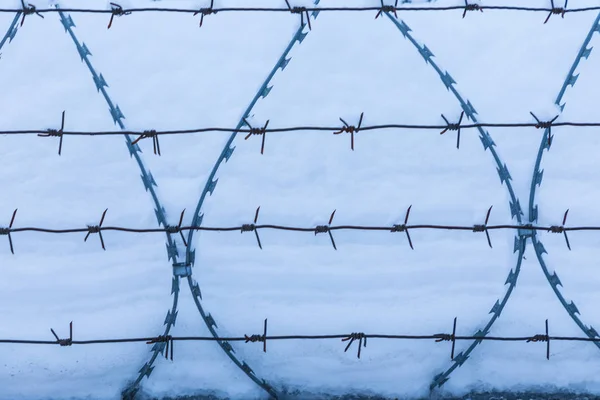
(538, 173)
(183, 269)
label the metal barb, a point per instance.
(149, 134)
(471, 7)
(351, 129)
(97, 229)
(28, 10)
(177, 228)
(542, 338)
(265, 337)
(453, 127)
(453, 339)
(56, 133)
(302, 11)
(168, 340)
(387, 9)
(561, 229)
(405, 229)
(252, 228)
(258, 338)
(545, 125)
(116, 10)
(362, 341)
(6, 231)
(64, 342)
(205, 11)
(257, 131)
(483, 227)
(325, 229)
(557, 10)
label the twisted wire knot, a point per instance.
(556, 229)
(543, 124)
(149, 133)
(4, 231)
(453, 127)
(388, 9)
(298, 10)
(93, 228)
(347, 129)
(538, 338)
(399, 228)
(257, 131)
(321, 229)
(172, 229)
(473, 7)
(355, 336)
(479, 228)
(29, 10)
(558, 11)
(248, 227)
(444, 337)
(161, 339)
(65, 342)
(117, 10)
(254, 338)
(205, 11)
(53, 133)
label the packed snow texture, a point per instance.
(165, 72)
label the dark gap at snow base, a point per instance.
(471, 396)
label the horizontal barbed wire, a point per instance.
(262, 131)
(361, 337)
(327, 228)
(296, 129)
(119, 11)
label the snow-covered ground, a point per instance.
(165, 72)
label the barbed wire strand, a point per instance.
(117, 10)
(336, 130)
(254, 227)
(361, 337)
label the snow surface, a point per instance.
(166, 73)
